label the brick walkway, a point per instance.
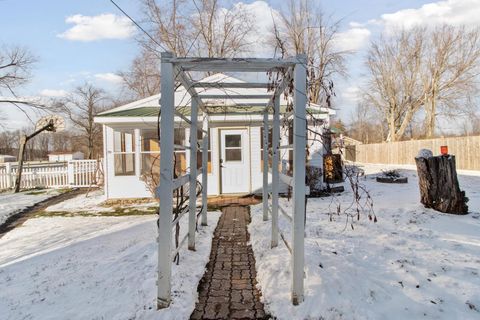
(228, 288)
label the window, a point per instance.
(199, 152)
(150, 152)
(124, 153)
(233, 147)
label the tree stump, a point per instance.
(439, 189)
(332, 168)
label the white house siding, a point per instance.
(133, 187)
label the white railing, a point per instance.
(74, 173)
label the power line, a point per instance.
(138, 26)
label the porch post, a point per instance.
(165, 188)
(275, 164)
(192, 199)
(137, 147)
(206, 138)
(299, 154)
(265, 167)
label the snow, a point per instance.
(413, 263)
(84, 202)
(95, 268)
(425, 153)
(12, 203)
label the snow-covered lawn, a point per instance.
(12, 203)
(95, 268)
(92, 203)
(413, 263)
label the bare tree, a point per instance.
(197, 27)
(452, 70)
(395, 79)
(304, 29)
(223, 32)
(365, 125)
(15, 70)
(81, 107)
(61, 141)
(143, 77)
(434, 70)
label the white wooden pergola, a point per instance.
(174, 70)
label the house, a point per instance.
(65, 156)
(7, 158)
(235, 161)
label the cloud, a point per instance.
(261, 14)
(109, 77)
(352, 39)
(454, 12)
(350, 96)
(103, 26)
(53, 93)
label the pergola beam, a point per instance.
(265, 166)
(246, 104)
(234, 96)
(188, 85)
(232, 64)
(275, 172)
(205, 142)
(165, 192)
(192, 200)
(299, 156)
(232, 85)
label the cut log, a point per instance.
(439, 188)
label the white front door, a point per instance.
(235, 161)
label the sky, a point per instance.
(90, 40)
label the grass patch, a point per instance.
(36, 193)
(115, 212)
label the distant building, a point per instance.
(65, 156)
(7, 158)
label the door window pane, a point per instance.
(233, 140)
(124, 164)
(233, 154)
(123, 141)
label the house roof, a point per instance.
(150, 106)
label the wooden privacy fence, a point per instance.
(466, 150)
(75, 173)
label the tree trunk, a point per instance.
(431, 113)
(439, 189)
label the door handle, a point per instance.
(221, 161)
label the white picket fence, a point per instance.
(75, 173)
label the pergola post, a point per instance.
(192, 198)
(265, 166)
(165, 188)
(205, 141)
(299, 154)
(275, 164)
